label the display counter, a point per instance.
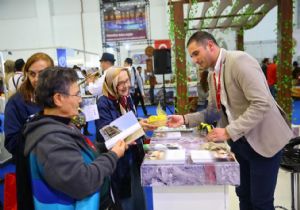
(189, 185)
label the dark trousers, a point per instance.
(137, 97)
(258, 176)
(151, 92)
(273, 90)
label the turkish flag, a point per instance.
(162, 44)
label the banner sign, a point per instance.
(139, 58)
(61, 57)
(125, 22)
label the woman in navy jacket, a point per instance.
(19, 108)
(22, 104)
(115, 102)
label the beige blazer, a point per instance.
(255, 114)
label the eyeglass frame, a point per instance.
(67, 94)
(123, 83)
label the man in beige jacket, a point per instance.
(248, 118)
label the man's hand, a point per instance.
(218, 134)
(146, 126)
(119, 148)
(175, 120)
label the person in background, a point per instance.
(2, 89)
(81, 77)
(22, 104)
(95, 84)
(296, 76)
(19, 108)
(240, 100)
(153, 82)
(115, 102)
(66, 169)
(137, 87)
(138, 96)
(295, 64)
(296, 72)
(203, 90)
(16, 80)
(264, 65)
(9, 70)
(139, 69)
(272, 76)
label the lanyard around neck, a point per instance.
(218, 87)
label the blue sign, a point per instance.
(61, 57)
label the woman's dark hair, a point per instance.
(201, 37)
(26, 89)
(54, 80)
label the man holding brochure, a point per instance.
(114, 103)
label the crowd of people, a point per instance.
(269, 69)
(49, 97)
(57, 166)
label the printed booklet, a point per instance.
(173, 156)
(125, 127)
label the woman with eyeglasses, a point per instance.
(19, 108)
(66, 169)
(22, 104)
(116, 101)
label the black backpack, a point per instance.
(23, 178)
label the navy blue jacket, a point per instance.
(17, 111)
(109, 110)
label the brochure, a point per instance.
(89, 108)
(125, 127)
(162, 146)
(174, 156)
(167, 135)
(181, 128)
(201, 156)
(204, 156)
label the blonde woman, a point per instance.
(116, 101)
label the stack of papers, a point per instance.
(164, 146)
(167, 135)
(182, 128)
(202, 156)
(176, 156)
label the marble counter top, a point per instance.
(189, 173)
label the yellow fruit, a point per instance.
(158, 120)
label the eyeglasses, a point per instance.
(78, 94)
(122, 84)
